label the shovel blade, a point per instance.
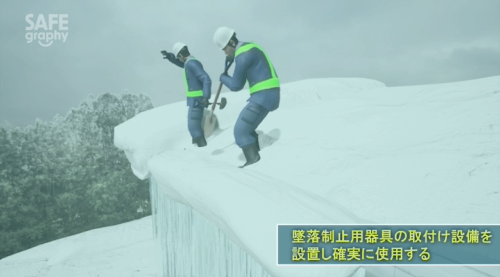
(209, 123)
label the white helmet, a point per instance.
(222, 36)
(177, 48)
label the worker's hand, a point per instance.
(167, 55)
(205, 103)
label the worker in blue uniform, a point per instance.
(252, 65)
(198, 89)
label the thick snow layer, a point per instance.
(165, 128)
(336, 151)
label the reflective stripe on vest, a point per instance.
(195, 93)
(272, 82)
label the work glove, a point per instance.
(167, 55)
(205, 103)
(223, 75)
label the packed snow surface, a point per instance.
(337, 151)
(125, 250)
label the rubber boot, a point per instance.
(256, 136)
(200, 141)
(251, 153)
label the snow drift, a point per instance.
(117, 251)
(337, 151)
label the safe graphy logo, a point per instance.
(47, 31)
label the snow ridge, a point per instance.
(332, 146)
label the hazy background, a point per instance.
(115, 45)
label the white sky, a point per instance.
(115, 45)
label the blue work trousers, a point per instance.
(195, 116)
(246, 124)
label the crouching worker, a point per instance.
(252, 65)
(198, 89)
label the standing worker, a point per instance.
(198, 89)
(252, 65)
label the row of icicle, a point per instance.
(191, 246)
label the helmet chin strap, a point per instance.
(234, 47)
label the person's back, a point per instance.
(254, 67)
(198, 83)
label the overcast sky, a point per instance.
(115, 45)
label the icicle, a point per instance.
(191, 246)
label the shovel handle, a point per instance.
(220, 86)
(216, 97)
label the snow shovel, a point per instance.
(222, 103)
(210, 120)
